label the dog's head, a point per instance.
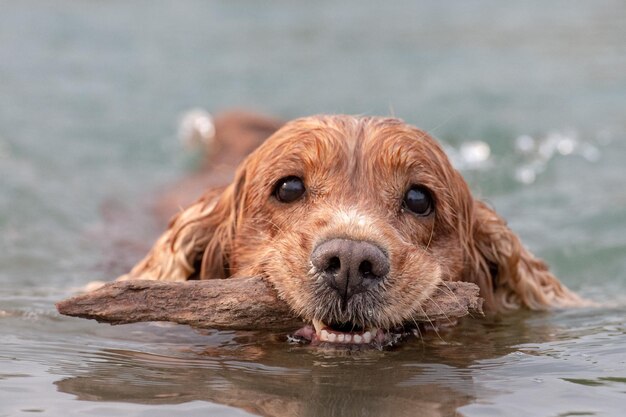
(355, 221)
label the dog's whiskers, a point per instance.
(432, 324)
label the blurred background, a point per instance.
(529, 99)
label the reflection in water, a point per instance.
(269, 377)
(305, 385)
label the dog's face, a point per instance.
(354, 221)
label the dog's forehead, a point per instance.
(342, 142)
(353, 136)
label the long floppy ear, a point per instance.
(507, 273)
(198, 241)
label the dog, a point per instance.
(353, 220)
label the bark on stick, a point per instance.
(230, 304)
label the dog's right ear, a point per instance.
(198, 241)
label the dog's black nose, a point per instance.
(350, 266)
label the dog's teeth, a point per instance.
(319, 325)
(324, 336)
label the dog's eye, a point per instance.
(289, 189)
(419, 200)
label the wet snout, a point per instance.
(350, 266)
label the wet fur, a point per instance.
(356, 170)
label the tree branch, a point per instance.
(230, 304)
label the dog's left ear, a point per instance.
(198, 241)
(509, 276)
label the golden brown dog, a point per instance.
(354, 221)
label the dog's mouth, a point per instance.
(345, 335)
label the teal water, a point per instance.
(90, 97)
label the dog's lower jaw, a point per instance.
(320, 334)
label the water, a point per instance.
(529, 98)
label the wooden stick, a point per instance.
(230, 304)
